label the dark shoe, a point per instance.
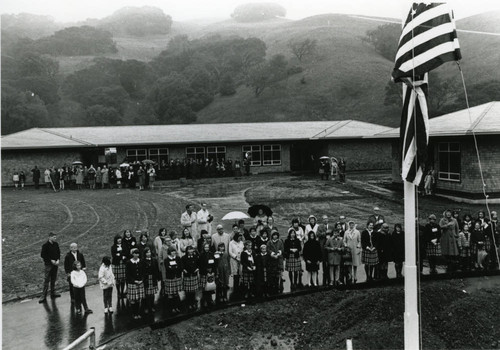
(88, 311)
(42, 300)
(55, 295)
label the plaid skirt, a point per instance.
(203, 281)
(248, 277)
(433, 249)
(172, 286)
(152, 287)
(293, 264)
(191, 284)
(135, 292)
(120, 272)
(369, 258)
(465, 252)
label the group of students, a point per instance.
(465, 243)
(257, 257)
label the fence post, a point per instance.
(349, 344)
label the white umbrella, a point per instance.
(235, 215)
(123, 165)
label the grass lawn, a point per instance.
(89, 218)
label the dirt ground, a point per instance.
(452, 318)
(90, 218)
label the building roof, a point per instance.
(483, 120)
(106, 136)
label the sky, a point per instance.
(181, 10)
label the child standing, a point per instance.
(151, 276)
(207, 268)
(79, 280)
(190, 266)
(335, 247)
(223, 270)
(135, 282)
(248, 268)
(107, 281)
(15, 178)
(464, 245)
(173, 280)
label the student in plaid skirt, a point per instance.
(223, 270)
(191, 281)
(478, 239)
(275, 247)
(369, 256)
(432, 238)
(118, 260)
(207, 265)
(135, 282)
(151, 277)
(173, 279)
(248, 269)
(292, 255)
(464, 245)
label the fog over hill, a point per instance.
(342, 76)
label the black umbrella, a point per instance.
(253, 211)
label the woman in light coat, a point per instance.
(352, 240)
(449, 239)
(236, 246)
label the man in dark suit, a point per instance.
(72, 256)
(377, 219)
(36, 176)
(50, 255)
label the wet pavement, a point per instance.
(53, 325)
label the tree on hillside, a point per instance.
(21, 110)
(267, 74)
(107, 96)
(256, 12)
(385, 39)
(33, 64)
(227, 87)
(137, 21)
(303, 48)
(77, 41)
(99, 115)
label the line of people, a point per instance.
(256, 257)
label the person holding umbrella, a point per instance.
(260, 213)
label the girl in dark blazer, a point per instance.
(191, 280)
(248, 269)
(173, 279)
(151, 277)
(293, 263)
(135, 282)
(369, 255)
(312, 255)
(118, 260)
(129, 242)
(207, 266)
(432, 238)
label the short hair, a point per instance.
(204, 232)
(295, 221)
(146, 250)
(117, 237)
(235, 225)
(170, 250)
(221, 245)
(76, 262)
(187, 206)
(134, 250)
(236, 236)
(241, 221)
(106, 260)
(172, 234)
(51, 234)
(143, 234)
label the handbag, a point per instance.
(346, 254)
(210, 285)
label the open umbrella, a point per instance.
(123, 165)
(324, 157)
(148, 161)
(253, 211)
(77, 162)
(235, 215)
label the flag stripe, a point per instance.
(431, 52)
(424, 13)
(423, 40)
(426, 26)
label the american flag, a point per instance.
(429, 39)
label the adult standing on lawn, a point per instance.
(449, 239)
(188, 220)
(70, 258)
(50, 255)
(204, 219)
(36, 176)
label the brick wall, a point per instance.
(489, 151)
(27, 159)
(362, 154)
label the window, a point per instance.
(216, 152)
(271, 154)
(160, 156)
(252, 152)
(136, 154)
(195, 152)
(449, 161)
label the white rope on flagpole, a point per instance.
(486, 196)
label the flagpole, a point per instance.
(411, 318)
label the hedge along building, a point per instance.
(275, 147)
(452, 152)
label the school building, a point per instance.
(452, 152)
(275, 147)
